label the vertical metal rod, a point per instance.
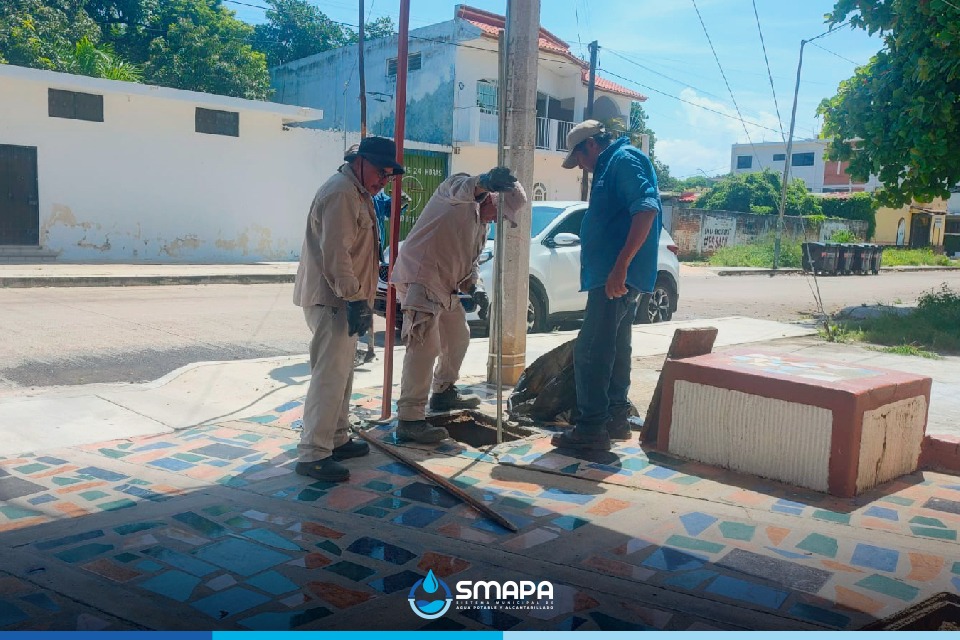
(363, 76)
(786, 164)
(591, 86)
(398, 134)
(498, 240)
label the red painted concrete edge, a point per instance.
(941, 453)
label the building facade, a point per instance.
(452, 96)
(807, 163)
(101, 170)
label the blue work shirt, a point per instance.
(624, 183)
(381, 204)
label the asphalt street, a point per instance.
(72, 336)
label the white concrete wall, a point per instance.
(143, 186)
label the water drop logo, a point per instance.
(427, 597)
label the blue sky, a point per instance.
(668, 40)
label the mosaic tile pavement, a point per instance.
(208, 528)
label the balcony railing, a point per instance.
(475, 127)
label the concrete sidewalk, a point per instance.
(173, 506)
(124, 275)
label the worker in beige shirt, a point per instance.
(336, 283)
(438, 260)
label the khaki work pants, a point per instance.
(326, 410)
(447, 335)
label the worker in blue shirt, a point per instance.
(619, 239)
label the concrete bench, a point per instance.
(837, 428)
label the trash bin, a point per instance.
(810, 255)
(844, 258)
(862, 258)
(876, 258)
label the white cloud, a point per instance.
(687, 157)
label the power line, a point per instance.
(835, 54)
(763, 46)
(726, 82)
(657, 73)
(669, 95)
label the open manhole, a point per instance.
(476, 429)
(937, 613)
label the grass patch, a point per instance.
(758, 254)
(915, 258)
(908, 350)
(930, 329)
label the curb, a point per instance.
(139, 281)
(794, 271)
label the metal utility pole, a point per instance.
(786, 164)
(399, 131)
(363, 78)
(591, 87)
(789, 155)
(519, 142)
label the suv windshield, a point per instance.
(541, 216)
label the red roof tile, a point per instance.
(492, 24)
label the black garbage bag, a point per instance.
(547, 389)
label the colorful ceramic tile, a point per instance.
(241, 557)
(866, 555)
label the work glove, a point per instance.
(497, 179)
(481, 299)
(359, 318)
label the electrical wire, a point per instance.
(763, 46)
(854, 62)
(669, 95)
(726, 82)
(662, 75)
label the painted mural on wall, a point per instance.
(429, 118)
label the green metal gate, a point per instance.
(424, 171)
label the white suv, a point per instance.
(555, 294)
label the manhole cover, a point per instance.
(938, 613)
(476, 429)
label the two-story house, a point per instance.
(451, 111)
(807, 163)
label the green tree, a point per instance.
(758, 192)
(203, 47)
(898, 116)
(296, 29)
(87, 59)
(635, 127)
(34, 33)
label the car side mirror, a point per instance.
(566, 240)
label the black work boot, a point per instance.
(351, 449)
(327, 469)
(420, 431)
(618, 428)
(452, 400)
(578, 438)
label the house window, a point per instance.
(744, 162)
(220, 123)
(803, 159)
(74, 105)
(539, 192)
(487, 97)
(414, 63)
(779, 157)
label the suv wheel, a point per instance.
(536, 312)
(656, 306)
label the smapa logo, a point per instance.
(430, 597)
